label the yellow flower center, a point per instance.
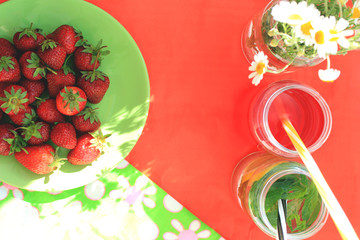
(306, 27)
(320, 37)
(356, 13)
(295, 17)
(260, 68)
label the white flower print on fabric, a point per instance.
(171, 204)
(186, 234)
(95, 190)
(123, 164)
(132, 195)
(6, 188)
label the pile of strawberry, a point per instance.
(49, 85)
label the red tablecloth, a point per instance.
(197, 128)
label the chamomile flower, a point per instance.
(328, 33)
(259, 67)
(299, 15)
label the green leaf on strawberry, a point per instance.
(29, 118)
(71, 99)
(6, 63)
(30, 32)
(92, 75)
(90, 113)
(48, 44)
(32, 131)
(17, 144)
(14, 101)
(34, 62)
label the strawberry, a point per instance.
(48, 112)
(9, 69)
(64, 135)
(58, 81)
(36, 133)
(28, 39)
(23, 117)
(33, 88)
(66, 36)
(86, 121)
(71, 100)
(88, 149)
(95, 84)
(6, 133)
(31, 66)
(88, 57)
(52, 53)
(6, 48)
(39, 159)
(13, 98)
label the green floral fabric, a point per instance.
(123, 204)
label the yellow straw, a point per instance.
(336, 212)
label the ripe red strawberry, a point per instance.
(9, 69)
(23, 117)
(13, 98)
(58, 81)
(95, 84)
(86, 121)
(38, 159)
(71, 100)
(64, 135)
(33, 88)
(28, 39)
(52, 53)
(31, 66)
(36, 133)
(6, 48)
(5, 133)
(66, 36)
(88, 149)
(48, 112)
(88, 57)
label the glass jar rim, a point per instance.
(319, 99)
(268, 228)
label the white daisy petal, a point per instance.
(343, 42)
(150, 190)
(253, 74)
(170, 236)
(341, 25)
(194, 225)
(204, 234)
(177, 225)
(329, 75)
(257, 79)
(149, 202)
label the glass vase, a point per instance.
(257, 37)
(256, 182)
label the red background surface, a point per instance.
(197, 128)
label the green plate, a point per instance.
(124, 109)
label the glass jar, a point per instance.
(260, 179)
(256, 38)
(302, 105)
